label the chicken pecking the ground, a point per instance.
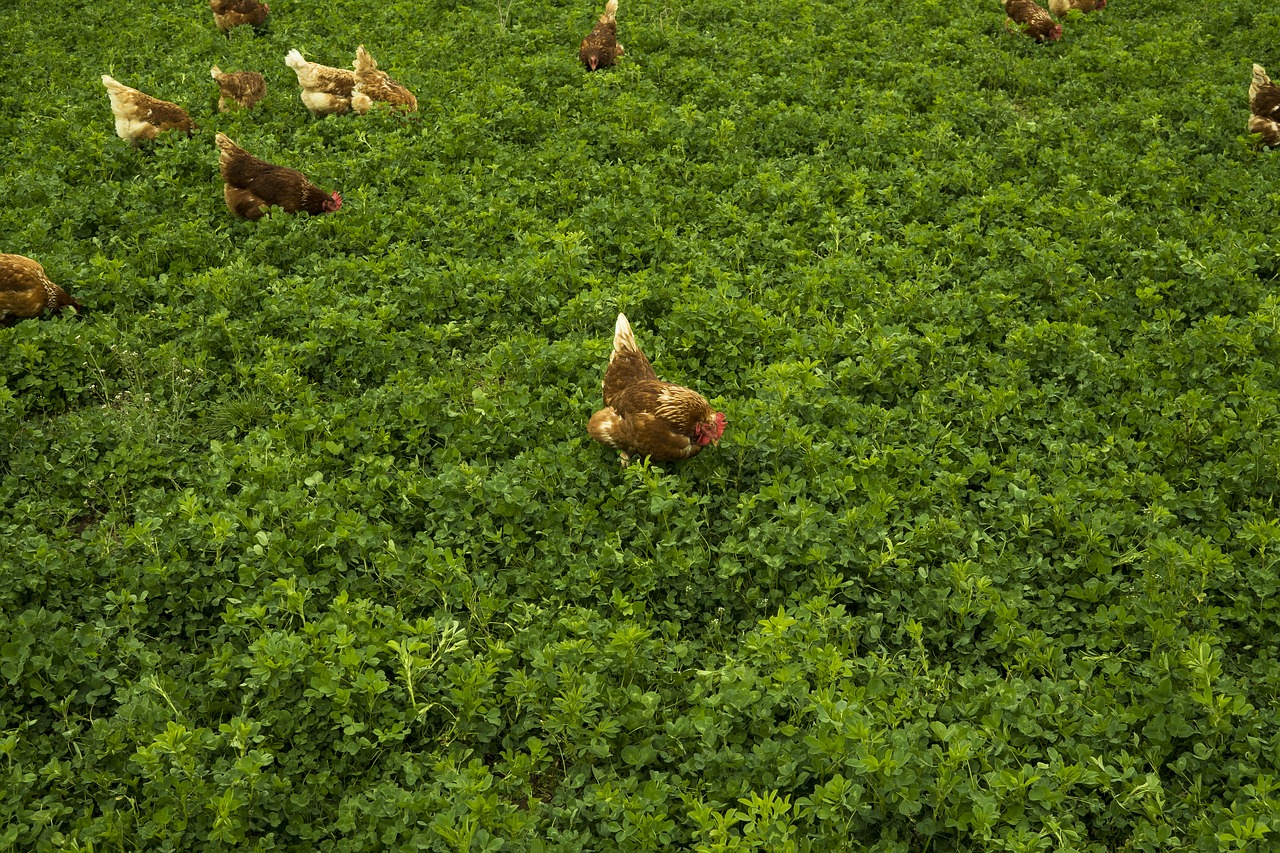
(600, 48)
(645, 416)
(1060, 8)
(25, 291)
(1264, 107)
(229, 14)
(374, 85)
(251, 185)
(140, 116)
(325, 90)
(243, 88)
(1029, 17)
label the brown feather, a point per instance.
(229, 14)
(1264, 96)
(25, 290)
(244, 88)
(1269, 130)
(600, 49)
(643, 414)
(1032, 19)
(374, 85)
(250, 184)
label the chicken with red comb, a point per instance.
(645, 416)
(250, 185)
(600, 48)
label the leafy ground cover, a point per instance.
(305, 546)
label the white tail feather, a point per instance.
(624, 340)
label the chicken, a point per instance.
(250, 185)
(25, 291)
(325, 90)
(646, 416)
(1060, 8)
(140, 116)
(374, 85)
(229, 14)
(1264, 107)
(1030, 18)
(245, 88)
(600, 48)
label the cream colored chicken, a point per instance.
(141, 117)
(325, 90)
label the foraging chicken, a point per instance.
(600, 48)
(1029, 17)
(1060, 8)
(374, 85)
(229, 14)
(251, 185)
(1264, 107)
(245, 88)
(25, 291)
(140, 116)
(646, 416)
(325, 90)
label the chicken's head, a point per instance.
(593, 59)
(1055, 33)
(709, 432)
(333, 202)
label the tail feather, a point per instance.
(364, 62)
(121, 97)
(624, 340)
(114, 86)
(294, 60)
(226, 149)
(610, 12)
(1260, 81)
(215, 72)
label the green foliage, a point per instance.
(305, 546)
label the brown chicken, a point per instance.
(243, 88)
(1028, 17)
(646, 416)
(140, 116)
(325, 90)
(374, 85)
(251, 185)
(1264, 107)
(25, 291)
(1060, 8)
(229, 14)
(600, 48)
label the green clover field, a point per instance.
(304, 545)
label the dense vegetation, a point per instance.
(305, 546)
